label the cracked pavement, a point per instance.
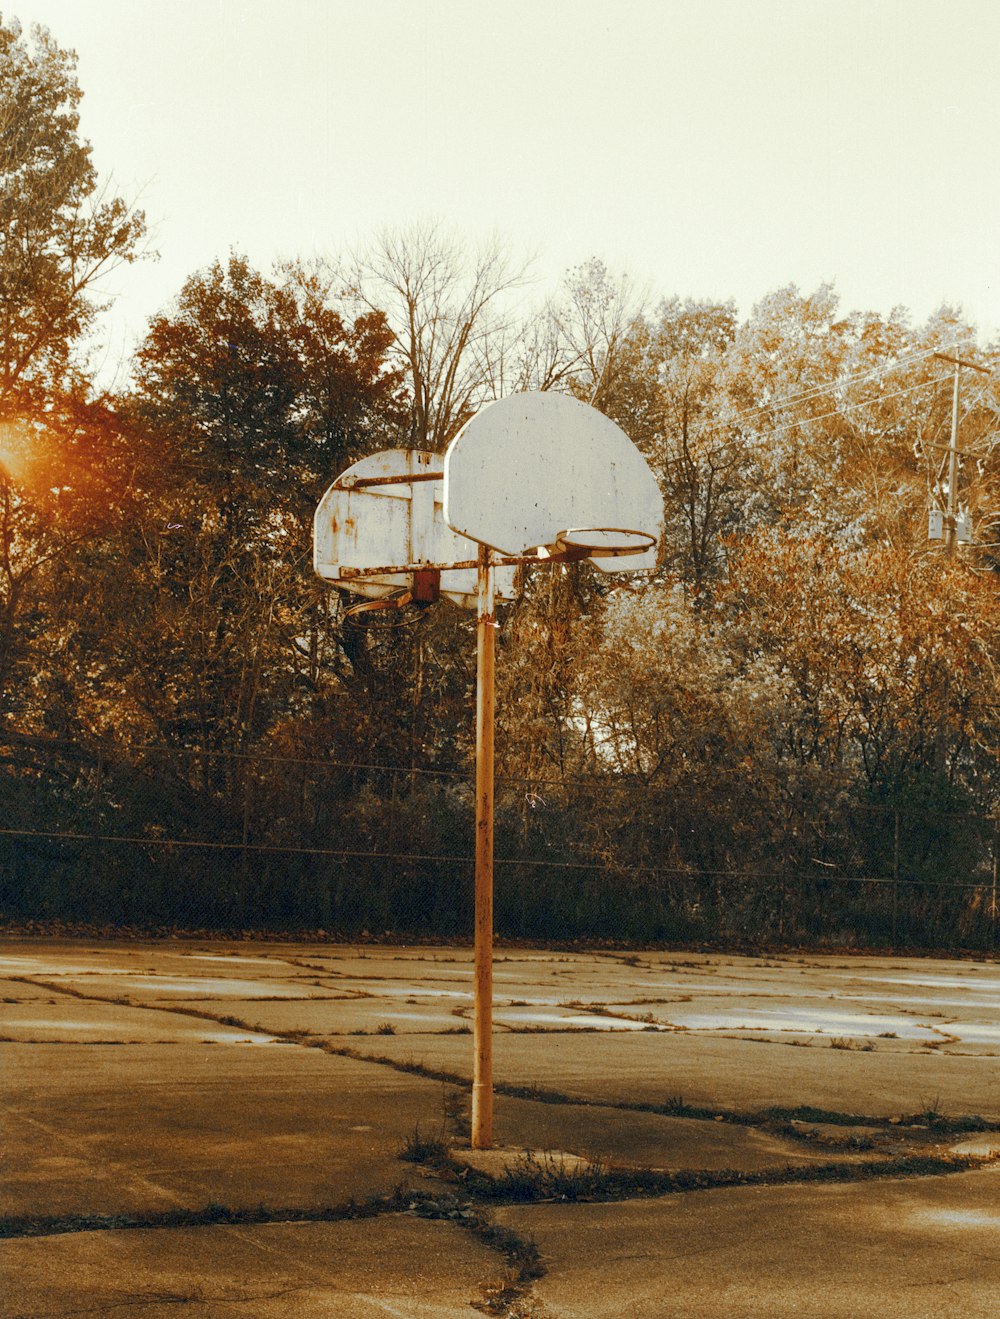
(153, 1089)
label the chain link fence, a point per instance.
(160, 837)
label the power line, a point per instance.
(851, 407)
(803, 396)
(806, 421)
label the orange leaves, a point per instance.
(887, 652)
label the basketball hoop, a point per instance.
(402, 527)
(538, 469)
(387, 611)
(600, 543)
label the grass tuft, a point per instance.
(549, 1178)
(424, 1149)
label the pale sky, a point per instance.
(706, 147)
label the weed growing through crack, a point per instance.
(677, 1106)
(550, 1178)
(531, 1179)
(211, 1215)
(423, 1149)
(932, 1116)
(457, 1122)
(506, 1297)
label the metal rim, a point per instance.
(385, 613)
(605, 542)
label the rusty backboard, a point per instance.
(381, 523)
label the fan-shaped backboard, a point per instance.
(530, 466)
(381, 521)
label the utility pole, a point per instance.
(950, 522)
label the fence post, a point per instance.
(245, 841)
(993, 896)
(895, 877)
(247, 804)
(390, 842)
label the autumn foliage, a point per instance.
(706, 753)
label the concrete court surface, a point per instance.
(143, 1079)
(890, 1250)
(278, 1271)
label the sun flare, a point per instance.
(13, 453)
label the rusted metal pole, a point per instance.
(482, 1072)
(372, 482)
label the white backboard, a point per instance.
(533, 465)
(397, 527)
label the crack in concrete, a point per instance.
(16, 1227)
(140, 1300)
(521, 1255)
(672, 1108)
(530, 1182)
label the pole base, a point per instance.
(482, 1116)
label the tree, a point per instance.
(61, 232)
(444, 308)
(250, 395)
(670, 395)
(352, 402)
(592, 320)
(217, 384)
(887, 658)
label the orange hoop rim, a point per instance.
(389, 609)
(631, 541)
